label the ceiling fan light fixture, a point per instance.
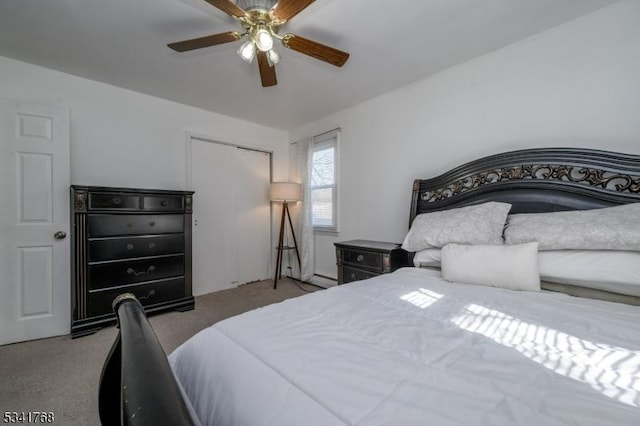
(247, 51)
(263, 39)
(273, 57)
(249, 5)
(261, 21)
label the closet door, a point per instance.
(253, 174)
(231, 215)
(214, 230)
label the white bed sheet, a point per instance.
(411, 349)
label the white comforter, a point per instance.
(411, 349)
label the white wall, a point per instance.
(576, 85)
(124, 138)
(128, 139)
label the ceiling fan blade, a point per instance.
(267, 72)
(228, 7)
(200, 42)
(316, 50)
(287, 9)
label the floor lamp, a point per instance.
(285, 192)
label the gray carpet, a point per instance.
(61, 374)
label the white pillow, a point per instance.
(477, 224)
(611, 228)
(512, 267)
(608, 270)
(427, 258)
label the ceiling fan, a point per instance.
(261, 20)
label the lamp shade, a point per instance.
(285, 191)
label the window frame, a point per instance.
(320, 142)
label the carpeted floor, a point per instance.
(61, 374)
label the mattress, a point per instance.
(409, 348)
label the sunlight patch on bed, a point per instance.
(611, 370)
(422, 298)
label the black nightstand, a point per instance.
(362, 259)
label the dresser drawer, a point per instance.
(162, 202)
(352, 274)
(127, 247)
(361, 258)
(113, 225)
(113, 201)
(99, 302)
(111, 274)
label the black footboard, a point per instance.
(137, 386)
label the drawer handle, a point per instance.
(129, 246)
(116, 200)
(149, 294)
(164, 203)
(152, 245)
(152, 223)
(360, 258)
(353, 276)
(133, 272)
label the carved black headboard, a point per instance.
(534, 180)
(537, 181)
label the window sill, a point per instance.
(326, 231)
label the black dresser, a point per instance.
(128, 240)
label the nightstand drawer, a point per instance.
(352, 274)
(363, 259)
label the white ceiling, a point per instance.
(392, 43)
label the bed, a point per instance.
(410, 348)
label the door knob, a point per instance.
(60, 235)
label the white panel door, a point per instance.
(253, 176)
(231, 215)
(34, 221)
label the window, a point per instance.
(324, 181)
